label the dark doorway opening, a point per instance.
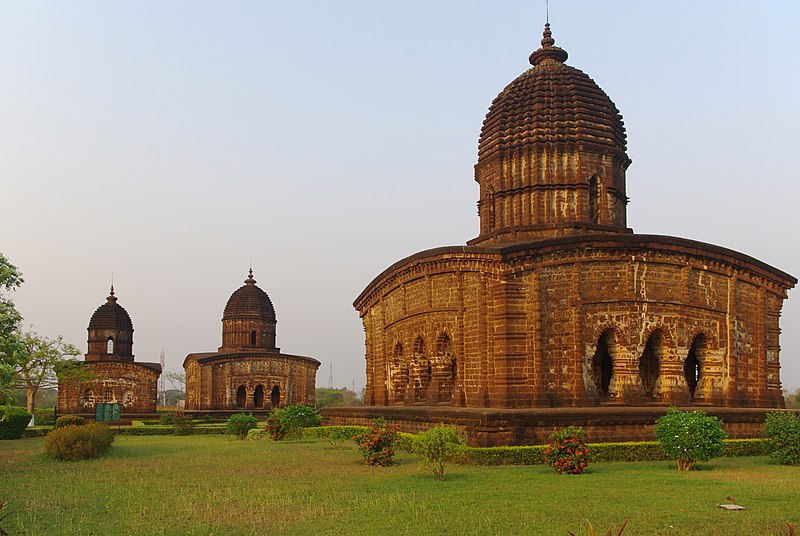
(258, 397)
(603, 363)
(241, 396)
(275, 396)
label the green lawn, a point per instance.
(217, 485)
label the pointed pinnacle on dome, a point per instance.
(548, 51)
(111, 298)
(250, 280)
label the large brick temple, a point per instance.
(557, 313)
(248, 372)
(112, 374)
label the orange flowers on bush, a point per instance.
(377, 443)
(567, 453)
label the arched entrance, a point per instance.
(603, 363)
(258, 397)
(241, 396)
(649, 362)
(275, 396)
(692, 366)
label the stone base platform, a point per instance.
(487, 427)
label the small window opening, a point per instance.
(593, 198)
(110, 346)
(253, 338)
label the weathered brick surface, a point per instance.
(133, 385)
(523, 325)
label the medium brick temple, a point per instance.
(248, 372)
(115, 376)
(557, 313)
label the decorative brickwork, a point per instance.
(248, 372)
(556, 304)
(112, 374)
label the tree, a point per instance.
(10, 279)
(38, 361)
(178, 382)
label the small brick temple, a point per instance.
(114, 375)
(557, 313)
(248, 372)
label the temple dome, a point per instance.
(551, 156)
(249, 301)
(111, 316)
(550, 103)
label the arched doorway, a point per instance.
(275, 396)
(603, 362)
(241, 396)
(692, 366)
(650, 360)
(258, 397)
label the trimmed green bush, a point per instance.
(438, 445)
(783, 431)
(334, 433)
(629, 451)
(78, 442)
(44, 416)
(256, 434)
(405, 442)
(745, 447)
(240, 423)
(13, 422)
(70, 420)
(183, 425)
(167, 419)
(689, 436)
(524, 455)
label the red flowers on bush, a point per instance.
(377, 443)
(567, 453)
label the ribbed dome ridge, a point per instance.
(249, 301)
(551, 103)
(111, 316)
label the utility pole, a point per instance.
(330, 378)
(161, 378)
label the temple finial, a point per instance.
(548, 51)
(250, 280)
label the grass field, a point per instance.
(217, 485)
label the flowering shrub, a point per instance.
(783, 431)
(377, 443)
(70, 420)
(275, 427)
(689, 436)
(78, 442)
(567, 453)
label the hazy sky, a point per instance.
(170, 142)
